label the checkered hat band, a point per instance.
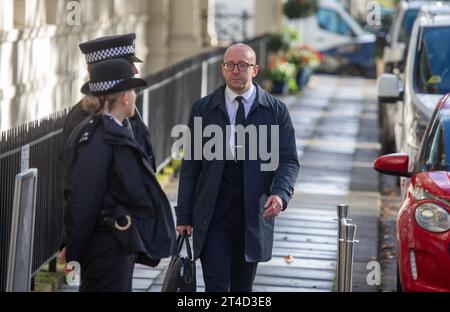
(109, 53)
(103, 85)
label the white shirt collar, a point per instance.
(117, 121)
(247, 95)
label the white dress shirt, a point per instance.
(232, 107)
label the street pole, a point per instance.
(350, 230)
(346, 240)
(342, 211)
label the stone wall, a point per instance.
(41, 66)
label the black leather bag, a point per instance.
(180, 274)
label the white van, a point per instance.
(427, 78)
(346, 47)
(398, 38)
(395, 51)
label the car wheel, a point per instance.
(399, 283)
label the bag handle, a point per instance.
(180, 240)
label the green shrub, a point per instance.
(299, 8)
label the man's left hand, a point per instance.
(273, 206)
(62, 255)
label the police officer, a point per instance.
(97, 50)
(116, 208)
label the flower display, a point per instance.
(290, 68)
(310, 57)
(280, 69)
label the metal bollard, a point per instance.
(342, 211)
(346, 236)
(350, 230)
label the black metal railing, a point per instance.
(163, 104)
(44, 138)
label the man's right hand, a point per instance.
(182, 228)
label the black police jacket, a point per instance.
(109, 178)
(78, 117)
(141, 132)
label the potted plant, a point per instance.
(311, 60)
(280, 72)
(294, 56)
(277, 42)
(299, 8)
(282, 41)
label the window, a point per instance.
(333, 22)
(407, 25)
(436, 153)
(432, 69)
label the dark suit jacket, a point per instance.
(200, 179)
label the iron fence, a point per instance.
(44, 139)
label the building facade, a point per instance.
(42, 69)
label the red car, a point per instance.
(423, 221)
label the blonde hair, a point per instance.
(100, 104)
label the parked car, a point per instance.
(398, 37)
(381, 30)
(411, 101)
(346, 47)
(423, 221)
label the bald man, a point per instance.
(229, 203)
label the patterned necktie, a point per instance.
(240, 118)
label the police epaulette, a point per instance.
(84, 137)
(88, 129)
